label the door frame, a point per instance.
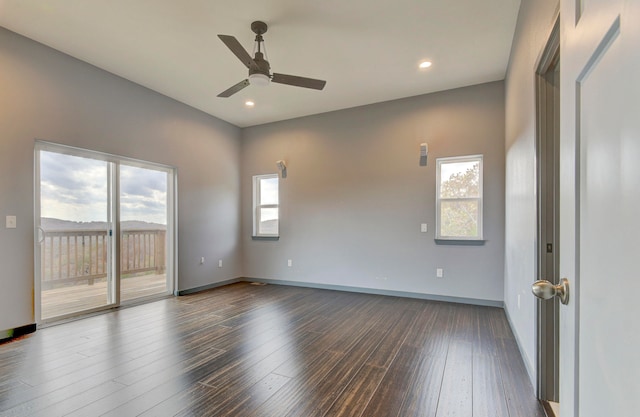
(114, 208)
(548, 212)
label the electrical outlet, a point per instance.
(439, 273)
(289, 262)
(423, 228)
(220, 263)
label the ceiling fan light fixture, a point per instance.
(259, 79)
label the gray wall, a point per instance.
(351, 206)
(355, 195)
(534, 26)
(47, 95)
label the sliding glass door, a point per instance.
(75, 234)
(143, 228)
(103, 231)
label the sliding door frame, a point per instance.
(114, 162)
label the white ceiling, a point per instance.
(367, 50)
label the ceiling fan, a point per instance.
(259, 68)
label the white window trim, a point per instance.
(257, 206)
(467, 158)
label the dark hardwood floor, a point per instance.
(246, 350)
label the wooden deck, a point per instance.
(74, 298)
(272, 351)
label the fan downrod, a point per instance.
(258, 27)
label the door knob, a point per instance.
(545, 290)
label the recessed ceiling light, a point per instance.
(249, 103)
(424, 64)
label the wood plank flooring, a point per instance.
(246, 350)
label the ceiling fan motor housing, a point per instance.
(263, 65)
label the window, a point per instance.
(265, 206)
(459, 198)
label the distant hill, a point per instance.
(49, 224)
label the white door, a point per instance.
(600, 208)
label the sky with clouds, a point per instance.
(75, 188)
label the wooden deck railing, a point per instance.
(75, 256)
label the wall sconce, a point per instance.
(424, 150)
(282, 167)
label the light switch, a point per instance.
(11, 222)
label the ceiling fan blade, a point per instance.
(298, 81)
(232, 90)
(237, 49)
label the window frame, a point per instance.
(480, 227)
(257, 207)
